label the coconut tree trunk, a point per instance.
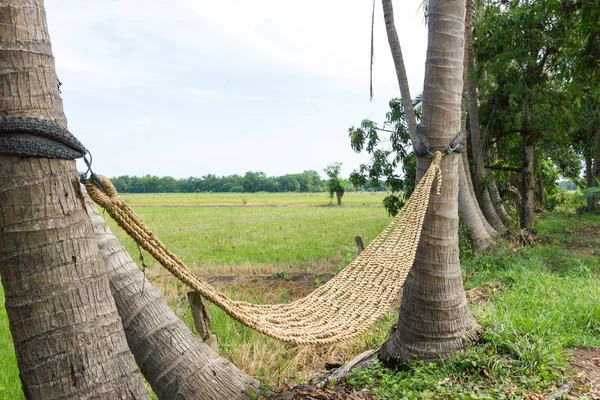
(434, 316)
(67, 333)
(466, 202)
(485, 200)
(527, 158)
(175, 362)
(396, 49)
(495, 193)
(465, 162)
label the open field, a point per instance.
(252, 199)
(251, 240)
(535, 303)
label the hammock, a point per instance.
(341, 309)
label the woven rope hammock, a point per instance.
(341, 309)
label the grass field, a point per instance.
(547, 300)
(252, 199)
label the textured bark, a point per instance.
(176, 363)
(496, 199)
(65, 327)
(494, 192)
(67, 333)
(468, 212)
(435, 320)
(527, 159)
(465, 162)
(396, 49)
(466, 204)
(483, 195)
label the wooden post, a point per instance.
(202, 319)
(359, 243)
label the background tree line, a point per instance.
(251, 182)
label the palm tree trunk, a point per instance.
(435, 320)
(176, 363)
(396, 49)
(67, 333)
(466, 202)
(494, 192)
(496, 199)
(465, 162)
(487, 206)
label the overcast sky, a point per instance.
(192, 87)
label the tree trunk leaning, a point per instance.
(466, 204)
(494, 192)
(435, 319)
(175, 362)
(67, 333)
(396, 49)
(482, 192)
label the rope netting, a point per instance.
(341, 309)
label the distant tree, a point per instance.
(335, 184)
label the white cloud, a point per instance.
(252, 64)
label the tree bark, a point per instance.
(339, 198)
(67, 333)
(175, 362)
(483, 195)
(435, 320)
(396, 49)
(466, 203)
(465, 162)
(527, 158)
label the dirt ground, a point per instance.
(586, 364)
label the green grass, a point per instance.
(248, 238)
(549, 299)
(252, 199)
(549, 303)
(10, 385)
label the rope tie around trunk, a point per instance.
(342, 308)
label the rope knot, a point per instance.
(437, 158)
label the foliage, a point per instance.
(335, 184)
(251, 182)
(389, 153)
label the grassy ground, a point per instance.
(260, 239)
(252, 199)
(547, 301)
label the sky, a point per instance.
(194, 87)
